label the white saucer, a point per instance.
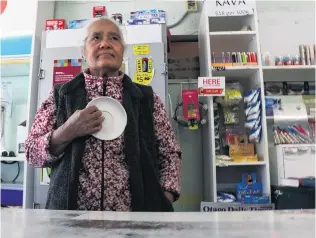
(115, 118)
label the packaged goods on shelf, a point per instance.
(234, 59)
(151, 16)
(250, 191)
(225, 197)
(294, 134)
(117, 17)
(55, 24)
(76, 24)
(289, 88)
(216, 128)
(237, 139)
(99, 11)
(253, 114)
(303, 57)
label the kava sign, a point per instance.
(230, 8)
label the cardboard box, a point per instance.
(242, 150)
(55, 24)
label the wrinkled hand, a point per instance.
(83, 122)
(169, 196)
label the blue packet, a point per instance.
(271, 102)
(76, 24)
(256, 98)
(253, 108)
(251, 199)
(250, 95)
(225, 197)
(255, 135)
(254, 116)
(248, 186)
(253, 123)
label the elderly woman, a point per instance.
(138, 171)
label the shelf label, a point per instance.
(218, 68)
(234, 207)
(211, 86)
(141, 49)
(225, 8)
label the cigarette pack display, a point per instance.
(99, 11)
(55, 24)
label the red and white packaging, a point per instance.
(55, 24)
(99, 11)
(190, 104)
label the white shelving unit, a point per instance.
(291, 73)
(226, 34)
(299, 164)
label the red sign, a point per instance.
(190, 104)
(3, 5)
(55, 24)
(211, 86)
(213, 91)
(99, 11)
(65, 73)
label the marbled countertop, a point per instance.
(18, 223)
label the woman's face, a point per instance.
(103, 47)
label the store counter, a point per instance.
(18, 223)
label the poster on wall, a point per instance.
(45, 176)
(66, 69)
(144, 71)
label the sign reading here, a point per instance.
(223, 8)
(211, 86)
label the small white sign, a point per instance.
(211, 86)
(234, 207)
(223, 8)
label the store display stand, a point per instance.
(226, 34)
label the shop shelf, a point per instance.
(234, 35)
(242, 164)
(19, 157)
(291, 73)
(236, 71)
(290, 67)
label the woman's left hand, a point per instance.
(169, 196)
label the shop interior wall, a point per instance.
(184, 55)
(283, 25)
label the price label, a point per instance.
(225, 8)
(218, 68)
(141, 49)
